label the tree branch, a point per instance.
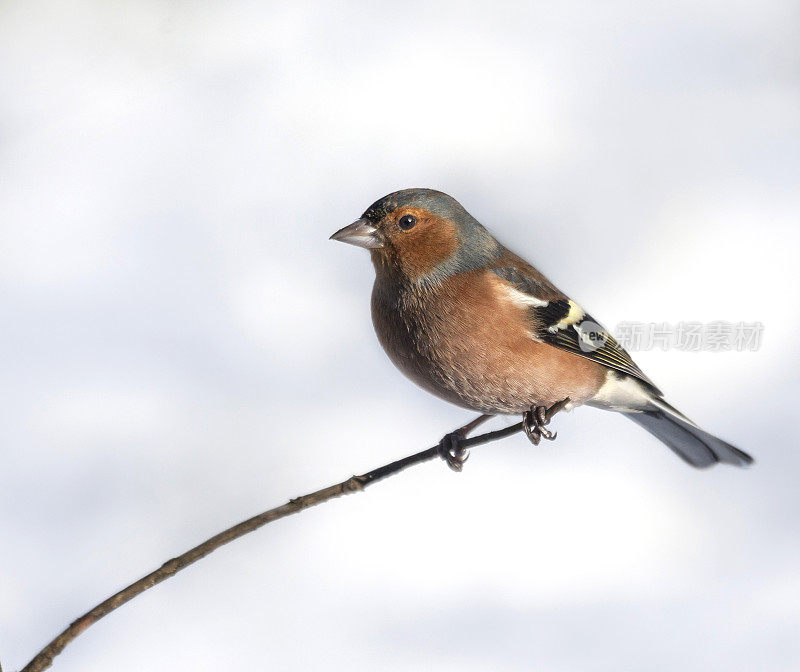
(44, 659)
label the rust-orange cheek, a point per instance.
(421, 249)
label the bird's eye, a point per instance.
(407, 222)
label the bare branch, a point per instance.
(44, 659)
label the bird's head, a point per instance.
(422, 234)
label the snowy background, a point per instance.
(183, 347)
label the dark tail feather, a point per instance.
(694, 445)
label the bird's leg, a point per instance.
(450, 446)
(535, 420)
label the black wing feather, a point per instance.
(581, 335)
(589, 339)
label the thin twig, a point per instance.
(44, 658)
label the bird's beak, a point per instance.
(361, 233)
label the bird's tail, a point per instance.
(694, 445)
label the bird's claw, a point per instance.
(534, 423)
(451, 451)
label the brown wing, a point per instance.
(562, 323)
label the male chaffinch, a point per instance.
(470, 321)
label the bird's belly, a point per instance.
(482, 364)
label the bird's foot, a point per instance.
(450, 448)
(452, 452)
(535, 421)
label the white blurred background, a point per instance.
(183, 346)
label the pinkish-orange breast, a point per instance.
(467, 342)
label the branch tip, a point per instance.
(43, 659)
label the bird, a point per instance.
(475, 324)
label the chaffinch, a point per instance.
(470, 321)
